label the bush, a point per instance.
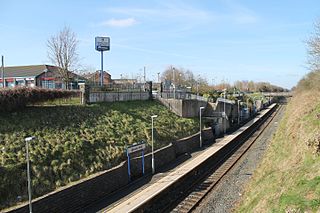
(13, 99)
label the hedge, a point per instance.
(18, 98)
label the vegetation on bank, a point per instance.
(75, 141)
(288, 179)
(18, 98)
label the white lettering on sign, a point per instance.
(136, 148)
(102, 43)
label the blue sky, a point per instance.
(217, 39)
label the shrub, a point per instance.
(17, 98)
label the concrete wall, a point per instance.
(191, 108)
(215, 110)
(183, 108)
(175, 105)
(75, 197)
(162, 157)
(117, 96)
(192, 143)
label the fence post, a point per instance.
(85, 93)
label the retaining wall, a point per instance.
(183, 108)
(117, 96)
(78, 195)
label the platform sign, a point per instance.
(102, 43)
(135, 148)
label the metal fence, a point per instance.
(181, 95)
(112, 87)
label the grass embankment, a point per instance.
(75, 141)
(288, 179)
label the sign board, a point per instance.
(136, 147)
(102, 43)
(226, 101)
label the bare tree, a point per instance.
(62, 51)
(314, 48)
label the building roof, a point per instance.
(95, 74)
(26, 71)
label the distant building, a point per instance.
(124, 81)
(94, 78)
(45, 76)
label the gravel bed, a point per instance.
(229, 191)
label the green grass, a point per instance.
(61, 101)
(74, 141)
(288, 179)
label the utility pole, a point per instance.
(2, 71)
(158, 77)
(144, 73)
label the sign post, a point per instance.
(102, 44)
(135, 148)
(2, 72)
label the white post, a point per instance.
(238, 112)
(152, 154)
(201, 108)
(174, 83)
(28, 139)
(224, 112)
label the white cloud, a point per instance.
(173, 12)
(128, 22)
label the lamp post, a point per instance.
(27, 140)
(173, 82)
(224, 112)
(197, 89)
(152, 154)
(238, 112)
(201, 108)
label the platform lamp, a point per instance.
(28, 140)
(201, 108)
(152, 154)
(224, 112)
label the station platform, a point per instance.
(145, 189)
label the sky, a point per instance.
(220, 40)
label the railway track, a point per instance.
(198, 190)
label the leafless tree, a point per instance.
(62, 51)
(314, 48)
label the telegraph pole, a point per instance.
(2, 71)
(144, 74)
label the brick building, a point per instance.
(94, 78)
(45, 76)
